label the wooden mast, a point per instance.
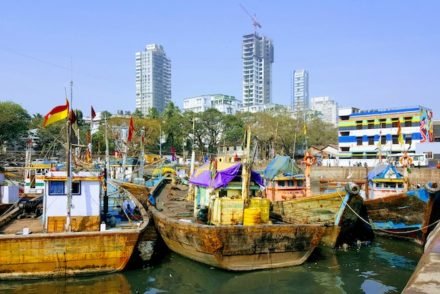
(245, 169)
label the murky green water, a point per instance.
(383, 267)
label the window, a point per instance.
(300, 183)
(395, 139)
(408, 122)
(408, 140)
(56, 188)
(345, 149)
(395, 122)
(359, 125)
(76, 188)
(383, 139)
(383, 123)
(371, 124)
(371, 140)
(281, 184)
(359, 141)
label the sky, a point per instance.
(364, 53)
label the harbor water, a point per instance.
(384, 266)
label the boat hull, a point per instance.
(342, 225)
(237, 247)
(65, 254)
(405, 215)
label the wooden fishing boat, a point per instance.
(41, 247)
(398, 211)
(70, 238)
(341, 212)
(234, 247)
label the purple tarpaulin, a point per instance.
(222, 177)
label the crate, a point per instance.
(227, 211)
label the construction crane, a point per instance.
(255, 22)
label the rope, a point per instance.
(382, 230)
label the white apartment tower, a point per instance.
(300, 101)
(153, 79)
(327, 109)
(257, 69)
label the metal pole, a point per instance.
(68, 227)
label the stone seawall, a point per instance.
(417, 175)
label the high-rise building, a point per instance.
(300, 101)
(326, 108)
(257, 69)
(153, 79)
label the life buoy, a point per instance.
(405, 160)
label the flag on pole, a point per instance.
(399, 134)
(93, 113)
(130, 130)
(56, 114)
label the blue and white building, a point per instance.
(367, 135)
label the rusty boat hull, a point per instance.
(231, 247)
(409, 215)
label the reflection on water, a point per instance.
(111, 283)
(383, 267)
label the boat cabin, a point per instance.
(385, 180)
(85, 211)
(285, 188)
(284, 179)
(34, 177)
(218, 196)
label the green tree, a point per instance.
(14, 121)
(153, 113)
(137, 113)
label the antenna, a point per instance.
(255, 22)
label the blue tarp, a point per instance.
(281, 165)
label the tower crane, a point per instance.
(255, 22)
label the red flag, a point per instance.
(72, 117)
(130, 130)
(173, 154)
(93, 115)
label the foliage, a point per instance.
(275, 132)
(14, 121)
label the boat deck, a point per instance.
(172, 201)
(16, 227)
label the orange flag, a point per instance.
(399, 134)
(57, 113)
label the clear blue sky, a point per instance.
(368, 54)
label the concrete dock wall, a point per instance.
(417, 175)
